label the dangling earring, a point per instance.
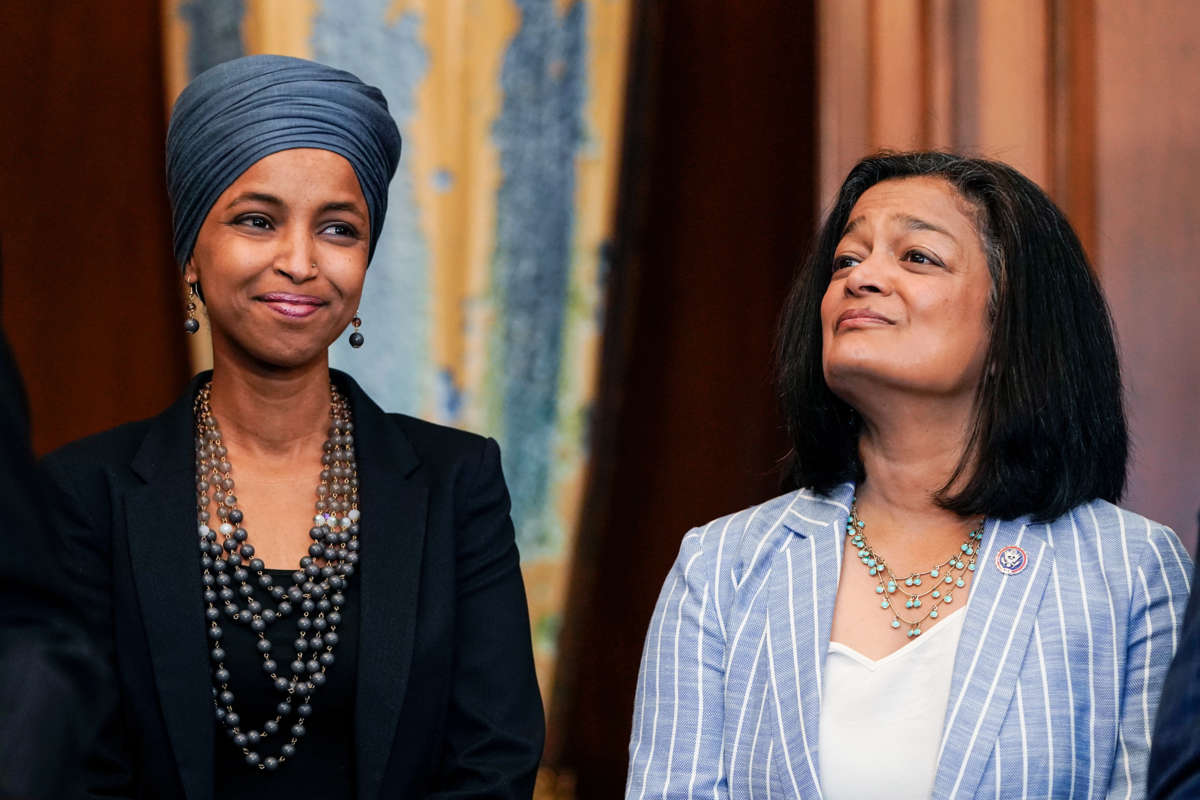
(191, 324)
(356, 338)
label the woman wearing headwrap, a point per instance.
(298, 592)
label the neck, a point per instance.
(909, 451)
(271, 412)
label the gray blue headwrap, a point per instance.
(241, 111)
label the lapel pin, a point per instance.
(1011, 560)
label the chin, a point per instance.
(294, 357)
(862, 383)
(857, 380)
(854, 367)
(288, 363)
(281, 356)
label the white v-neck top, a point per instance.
(881, 721)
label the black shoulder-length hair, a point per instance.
(1049, 425)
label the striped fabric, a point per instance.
(1056, 677)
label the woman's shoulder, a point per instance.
(429, 438)
(152, 439)
(749, 539)
(85, 473)
(113, 446)
(430, 441)
(441, 455)
(1099, 523)
(1112, 535)
(802, 512)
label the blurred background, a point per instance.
(599, 209)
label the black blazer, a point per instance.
(1174, 772)
(48, 675)
(447, 702)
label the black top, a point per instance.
(324, 762)
(445, 697)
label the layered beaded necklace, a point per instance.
(923, 592)
(238, 587)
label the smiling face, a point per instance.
(281, 258)
(907, 304)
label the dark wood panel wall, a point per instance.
(716, 209)
(89, 287)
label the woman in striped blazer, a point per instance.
(949, 605)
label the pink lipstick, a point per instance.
(296, 306)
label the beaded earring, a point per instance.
(191, 324)
(356, 338)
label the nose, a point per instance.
(869, 276)
(297, 260)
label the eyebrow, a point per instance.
(255, 197)
(909, 222)
(270, 199)
(345, 205)
(918, 224)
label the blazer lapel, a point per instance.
(803, 588)
(165, 565)
(394, 505)
(167, 578)
(996, 632)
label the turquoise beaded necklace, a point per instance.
(918, 594)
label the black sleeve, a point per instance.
(1174, 772)
(495, 728)
(51, 681)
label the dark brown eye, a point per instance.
(254, 221)
(341, 229)
(844, 262)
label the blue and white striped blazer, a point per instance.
(1056, 677)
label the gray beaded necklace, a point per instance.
(227, 562)
(942, 579)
